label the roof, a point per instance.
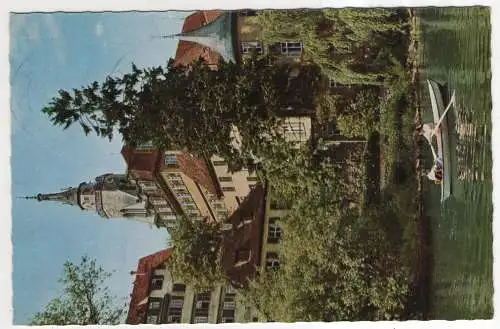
(140, 164)
(198, 170)
(143, 165)
(188, 52)
(245, 237)
(145, 267)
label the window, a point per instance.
(219, 163)
(201, 319)
(203, 296)
(179, 189)
(168, 217)
(179, 287)
(187, 203)
(184, 195)
(152, 319)
(252, 179)
(218, 205)
(228, 188)
(273, 220)
(159, 202)
(272, 261)
(273, 264)
(293, 127)
(145, 146)
(174, 319)
(156, 284)
(227, 320)
(165, 209)
(226, 179)
(173, 176)
(154, 305)
(247, 47)
(176, 183)
(242, 255)
(229, 305)
(170, 160)
(202, 305)
(251, 186)
(274, 231)
(278, 205)
(176, 303)
(148, 185)
(291, 48)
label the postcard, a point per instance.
(257, 165)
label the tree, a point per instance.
(360, 117)
(196, 259)
(86, 299)
(334, 266)
(184, 107)
(345, 42)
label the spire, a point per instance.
(67, 196)
(217, 35)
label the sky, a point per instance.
(63, 51)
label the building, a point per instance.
(230, 35)
(117, 196)
(157, 298)
(242, 238)
(188, 51)
(195, 187)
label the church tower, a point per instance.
(110, 195)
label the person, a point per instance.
(427, 130)
(436, 172)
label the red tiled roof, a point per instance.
(197, 169)
(140, 165)
(188, 52)
(145, 268)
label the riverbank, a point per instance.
(453, 48)
(423, 248)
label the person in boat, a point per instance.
(436, 172)
(427, 130)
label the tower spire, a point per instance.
(216, 35)
(67, 196)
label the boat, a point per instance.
(442, 133)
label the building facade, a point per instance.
(158, 299)
(195, 187)
(117, 196)
(231, 35)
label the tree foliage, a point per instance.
(183, 107)
(348, 44)
(359, 118)
(86, 299)
(351, 273)
(196, 259)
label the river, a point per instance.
(456, 51)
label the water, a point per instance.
(456, 51)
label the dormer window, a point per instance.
(145, 146)
(171, 160)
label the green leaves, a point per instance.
(196, 259)
(85, 299)
(343, 42)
